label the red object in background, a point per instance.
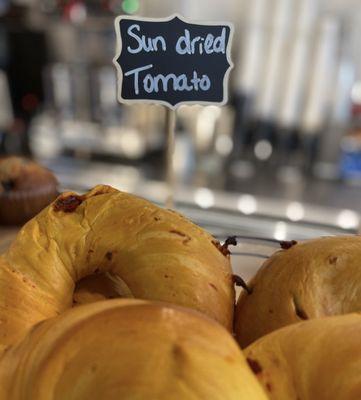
(68, 7)
(29, 102)
(27, 57)
(72, 9)
(105, 5)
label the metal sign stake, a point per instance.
(170, 173)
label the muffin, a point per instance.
(25, 189)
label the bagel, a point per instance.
(153, 253)
(128, 349)
(317, 278)
(319, 359)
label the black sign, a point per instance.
(172, 61)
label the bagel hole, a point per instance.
(98, 287)
(300, 312)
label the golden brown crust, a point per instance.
(110, 231)
(307, 280)
(128, 349)
(318, 359)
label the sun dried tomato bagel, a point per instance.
(318, 359)
(157, 254)
(128, 349)
(316, 278)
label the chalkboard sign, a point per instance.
(172, 61)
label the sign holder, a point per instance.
(172, 61)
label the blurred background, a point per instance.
(282, 159)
